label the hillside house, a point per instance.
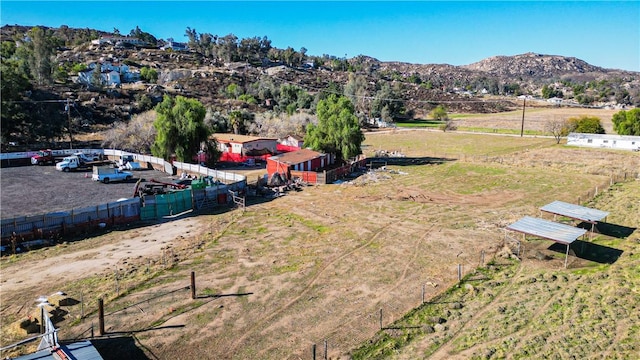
(175, 46)
(239, 148)
(108, 78)
(113, 73)
(114, 40)
(622, 142)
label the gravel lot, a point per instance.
(32, 190)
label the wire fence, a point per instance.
(420, 290)
(361, 328)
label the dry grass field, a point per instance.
(330, 264)
(535, 118)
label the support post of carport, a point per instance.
(566, 257)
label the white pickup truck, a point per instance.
(107, 174)
(79, 161)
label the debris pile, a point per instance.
(387, 154)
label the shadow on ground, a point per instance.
(614, 230)
(376, 162)
(590, 251)
(120, 347)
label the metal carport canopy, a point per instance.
(550, 230)
(575, 211)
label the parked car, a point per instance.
(106, 174)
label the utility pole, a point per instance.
(68, 108)
(524, 103)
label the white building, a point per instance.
(175, 46)
(112, 73)
(113, 40)
(621, 142)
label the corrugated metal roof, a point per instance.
(575, 211)
(547, 229)
(79, 350)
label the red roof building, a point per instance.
(301, 160)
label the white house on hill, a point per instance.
(111, 73)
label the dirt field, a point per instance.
(329, 263)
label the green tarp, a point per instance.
(169, 204)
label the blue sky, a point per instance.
(601, 33)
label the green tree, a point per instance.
(627, 122)
(388, 102)
(440, 113)
(235, 119)
(550, 92)
(76, 68)
(148, 74)
(180, 128)
(289, 55)
(144, 36)
(585, 124)
(13, 86)
(233, 91)
(228, 48)
(40, 48)
(337, 131)
(356, 90)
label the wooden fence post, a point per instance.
(100, 316)
(193, 285)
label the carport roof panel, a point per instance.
(547, 229)
(79, 350)
(575, 211)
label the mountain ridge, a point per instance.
(207, 77)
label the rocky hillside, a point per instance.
(535, 66)
(420, 87)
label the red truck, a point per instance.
(44, 157)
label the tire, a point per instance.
(105, 180)
(65, 169)
(127, 178)
(40, 163)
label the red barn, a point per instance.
(301, 160)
